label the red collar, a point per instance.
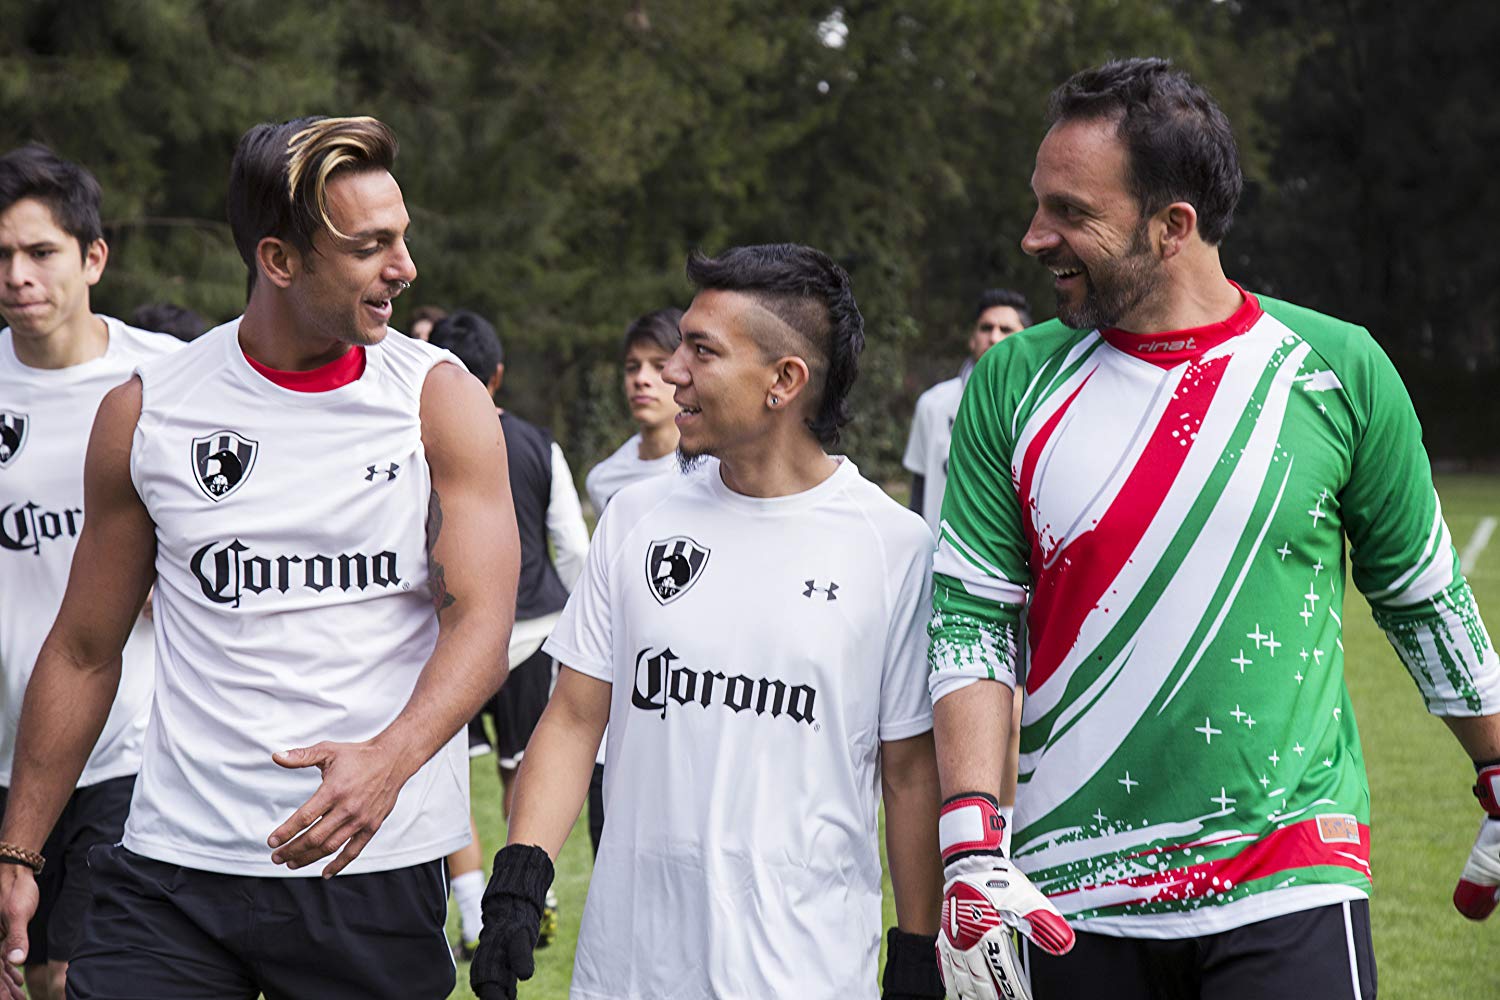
(1167, 350)
(339, 372)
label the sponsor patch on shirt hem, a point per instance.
(1338, 828)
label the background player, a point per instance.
(651, 451)
(294, 608)
(57, 360)
(999, 313)
(1164, 481)
(753, 635)
(423, 319)
(167, 317)
(547, 511)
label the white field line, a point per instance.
(1477, 543)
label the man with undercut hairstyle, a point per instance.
(57, 360)
(324, 511)
(752, 635)
(1160, 485)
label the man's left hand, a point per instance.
(359, 789)
(1478, 888)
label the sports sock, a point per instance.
(468, 893)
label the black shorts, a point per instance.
(158, 931)
(94, 814)
(518, 705)
(1323, 952)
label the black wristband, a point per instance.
(1480, 765)
(911, 971)
(524, 871)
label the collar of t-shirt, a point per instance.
(338, 372)
(1167, 350)
(791, 504)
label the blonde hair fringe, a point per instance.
(325, 146)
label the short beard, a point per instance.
(1126, 283)
(689, 461)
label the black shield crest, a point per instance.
(13, 427)
(672, 566)
(222, 461)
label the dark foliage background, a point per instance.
(559, 159)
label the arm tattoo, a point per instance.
(437, 583)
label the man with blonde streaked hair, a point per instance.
(325, 514)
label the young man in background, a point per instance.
(652, 451)
(57, 361)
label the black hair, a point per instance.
(992, 297)
(472, 339)
(1180, 145)
(430, 313)
(68, 190)
(813, 296)
(279, 177)
(165, 317)
(659, 328)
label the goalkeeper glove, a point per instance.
(513, 903)
(1479, 886)
(984, 898)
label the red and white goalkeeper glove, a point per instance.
(1479, 886)
(985, 897)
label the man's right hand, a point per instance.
(513, 903)
(1478, 889)
(18, 902)
(985, 897)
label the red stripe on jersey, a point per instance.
(339, 372)
(1278, 852)
(1170, 349)
(1028, 470)
(1070, 583)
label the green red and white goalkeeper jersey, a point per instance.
(1162, 519)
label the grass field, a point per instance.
(1424, 817)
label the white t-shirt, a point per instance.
(765, 648)
(291, 601)
(927, 447)
(46, 416)
(566, 529)
(621, 469)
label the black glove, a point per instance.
(911, 968)
(513, 904)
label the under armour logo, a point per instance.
(390, 473)
(830, 591)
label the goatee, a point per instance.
(688, 461)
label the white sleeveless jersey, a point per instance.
(46, 416)
(760, 651)
(291, 601)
